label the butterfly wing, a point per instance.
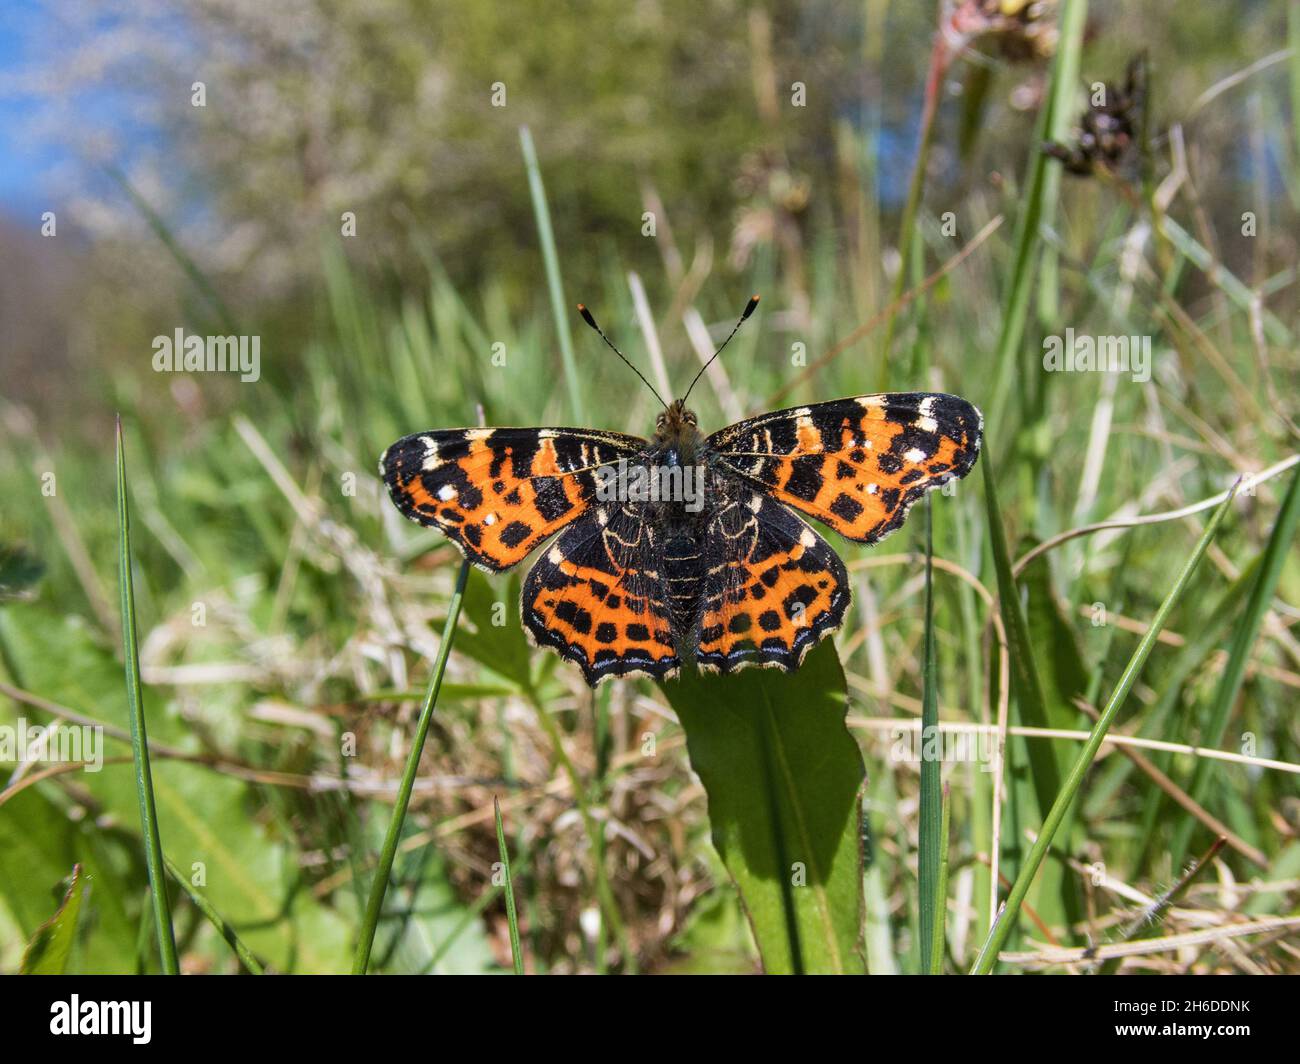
(498, 493)
(597, 596)
(855, 464)
(773, 587)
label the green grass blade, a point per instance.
(164, 233)
(1237, 291)
(1026, 684)
(553, 283)
(1280, 541)
(162, 917)
(1293, 42)
(223, 926)
(379, 886)
(1007, 917)
(1016, 309)
(929, 842)
(516, 953)
(941, 895)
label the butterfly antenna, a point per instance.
(749, 309)
(586, 316)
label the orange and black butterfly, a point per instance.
(684, 547)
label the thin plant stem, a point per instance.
(162, 916)
(1074, 780)
(379, 885)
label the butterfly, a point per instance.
(684, 547)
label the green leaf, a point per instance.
(252, 879)
(49, 949)
(497, 640)
(783, 777)
(38, 843)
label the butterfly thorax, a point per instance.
(679, 522)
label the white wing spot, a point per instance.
(915, 455)
(430, 453)
(446, 493)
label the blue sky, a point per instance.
(22, 165)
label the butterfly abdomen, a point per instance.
(682, 577)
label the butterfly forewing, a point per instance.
(498, 493)
(855, 464)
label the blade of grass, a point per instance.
(218, 921)
(1016, 309)
(929, 842)
(1232, 286)
(379, 885)
(1149, 918)
(1280, 542)
(941, 55)
(516, 953)
(162, 917)
(1007, 917)
(553, 283)
(164, 233)
(941, 908)
(1031, 704)
(1293, 40)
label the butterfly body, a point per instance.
(684, 547)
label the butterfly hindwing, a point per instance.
(855, 464)
(498, 493)
(772, 587)
(597, 596)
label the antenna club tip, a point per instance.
(586, 316)
(749, 307)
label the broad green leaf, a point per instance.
(498, 640)
(783, 777)
(38, 844)
(50, 949)
(250, 877)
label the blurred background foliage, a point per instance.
(259, 503)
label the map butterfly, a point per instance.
(728, 578)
